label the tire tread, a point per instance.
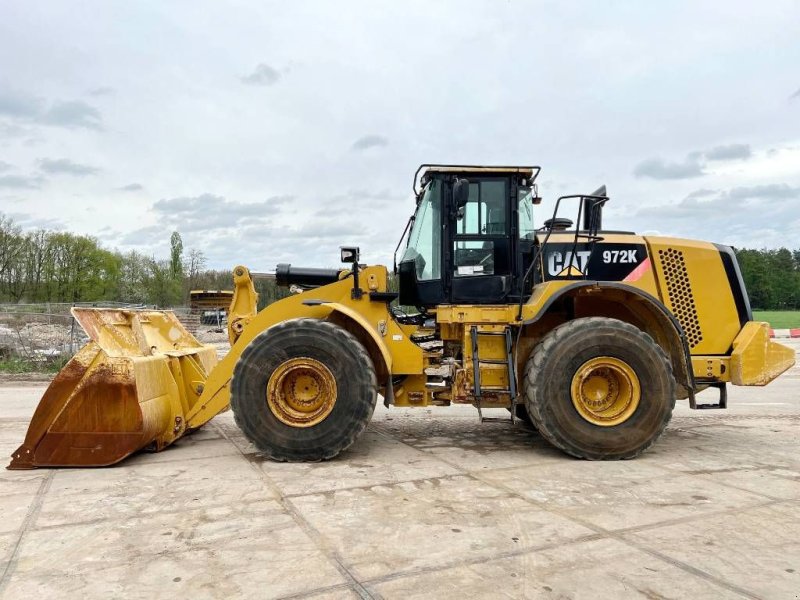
(533, 382)
(348, 342)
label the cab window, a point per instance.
(485, 212)
(483, 217)
(525, 211)
(424, 242)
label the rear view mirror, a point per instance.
(461, 192)
(531, 191)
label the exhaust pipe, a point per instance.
(593, 211)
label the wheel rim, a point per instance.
(605, 391)
(301, 392)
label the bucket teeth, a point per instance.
(128, 389)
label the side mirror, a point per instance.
(532, 191)
(461, 192)
(349, 254)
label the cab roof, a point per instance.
(529, 172)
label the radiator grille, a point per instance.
(681, 299)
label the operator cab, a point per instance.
(471, 235)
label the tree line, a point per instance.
(52, 266)
(772, 278)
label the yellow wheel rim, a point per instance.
(605, 391)
(301, 392)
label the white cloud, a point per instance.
(602, 90)
(21, 182)
(64, 166)
(101, 91)
(657, 168)
(370, 141)
(26, 108)
(208, 211)
(131, 187)
(73, 114)
(754, 216)
(729, 152)
(28, 221)
(262, 75)
(694, 165)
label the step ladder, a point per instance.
(476, 371)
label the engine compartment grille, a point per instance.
(679, 290)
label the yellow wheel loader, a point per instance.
(589, 334)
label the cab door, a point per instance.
(480, 269)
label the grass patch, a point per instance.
(779, 319)
(17, 364)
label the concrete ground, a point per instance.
(427, 504)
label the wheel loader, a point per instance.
(589, 334)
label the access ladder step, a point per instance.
(476, 372)
(723, 399)
(497, 420)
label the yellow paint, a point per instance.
(179, 387)
(411, 392)
(369, 328)
(131, 386)
(405, 357)
(301, 392)
(153, 369)
(401, 356)
(475, 313)
(605, 391)
(757, 360)
(712, 367)
(244, 304)
(701, 297)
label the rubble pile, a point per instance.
(211, 335)
(40, 340)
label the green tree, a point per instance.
(134, 277)
(11, 247)
(195, 265)
(784, 279)
(162, 289)
(772, 277)
(176, 255)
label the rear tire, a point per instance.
(342, 361)
(623, 408)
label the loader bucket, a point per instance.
(129, 388)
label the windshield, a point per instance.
(425, 241)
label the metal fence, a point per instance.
(48, 333)
(44, 332)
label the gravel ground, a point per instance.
(427, 504)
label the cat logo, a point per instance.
(564, 264)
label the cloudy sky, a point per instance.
(275, 132)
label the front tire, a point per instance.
(303, 390)
(599, 389)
